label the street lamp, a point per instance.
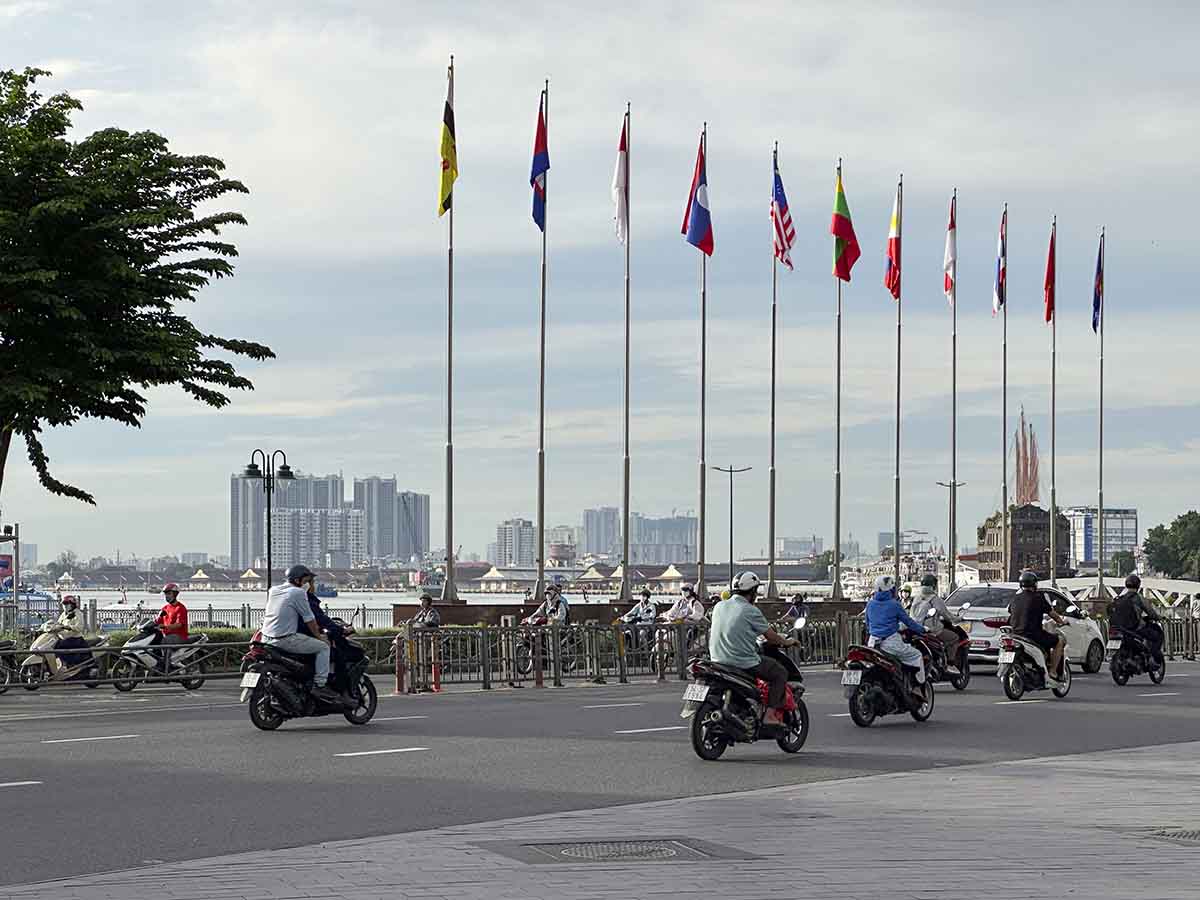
(12, 533)
(268, 473)
(952, 560)
(731, 471)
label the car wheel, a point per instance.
(1094, 660)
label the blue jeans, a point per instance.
(306, 643)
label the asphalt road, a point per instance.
(122, 780)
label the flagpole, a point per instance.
(541, 453)
(900, 277)
(700, 587)
(1053, 406)
(772, 588)
(1004, 405)
(1100, 498)
(953, 561)
(449, 589)
(626, 590)
(837, 441)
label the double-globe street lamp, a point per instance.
(267, 474)
(731, 471)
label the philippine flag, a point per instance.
(697, 225)
(541, 165)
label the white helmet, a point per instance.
(688, 590)
(745, 583)
(885, 583)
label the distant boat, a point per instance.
(325, 592)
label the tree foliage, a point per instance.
(1123, 563)
(102, 242)
(1174, 550)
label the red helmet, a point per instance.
(170, 588)
(72, 599)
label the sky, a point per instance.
(330, 113)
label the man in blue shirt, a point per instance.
(884, 615)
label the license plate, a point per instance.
(852, 676)
(1007, 657)
(250, 679)
(697, 692)
(1114, 645)
(979, 645)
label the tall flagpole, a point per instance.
(1053, 406)
(1100, 509)
(626, 588)
(449, 589)
(837, 441)
(772, 588)
(953, 568)
(700, 587)
(541, 453)
(1004, 404)
(899, 282)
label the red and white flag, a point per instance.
(620, 185)
(950, 264)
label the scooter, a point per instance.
(9, 669)
(538, 629)
(1131, 655)
(948, 659)
(142, 657)
(728, 706)
(1022, 666)
(877, 684)
(78, 664)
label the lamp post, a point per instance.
(268, 473)
(952, 567)
(731, 471)
(12, 533)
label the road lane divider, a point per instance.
(648, 730)
(84, 740)
(396, 718)
(4, 784)
(1017, 702)
(839, 715)
(1161, 694)
(381, 752)
(612, 705)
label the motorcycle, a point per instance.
(948, 660)
(9, 669)
(728, 706)
(142, 656)
(537, 629)
(877, 684)
(279, 684)
(79, 664)
(1022, 666)
(1131, 655)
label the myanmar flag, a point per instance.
(845, 245)
(449, 148)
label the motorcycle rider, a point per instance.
(641, 616)
(70, 633)
(554, 608)
(884, 617)
(427, 616)
(1130, 611)
(928, 601)
(687, 609)
(1026, 611)
(172, 621)
(340, 652)
(733, 641)
(287, 609)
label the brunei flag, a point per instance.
(449, 148)
(845, 245)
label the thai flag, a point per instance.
(697, 225)
(541, 165)
(1000, 288)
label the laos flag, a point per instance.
(541, 165)
(697, 225)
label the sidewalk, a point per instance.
(1086, 822)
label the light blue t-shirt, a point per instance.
(736, 625)
(287, 607)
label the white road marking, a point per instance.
(612, 705)
(4, 784)
(32, 717)
(381, 752)
(646, 730)
(397, 718)
(111, 737)
(1163, 694)
(839, 715)
(1014, 702)
(1184, 675)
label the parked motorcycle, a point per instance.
(80, 665)
(1022, 666)
(9, 668)
(727, 706)
(1131, 655)
(878, 684)
(143, 655)
(279, 685)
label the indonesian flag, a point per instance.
(620, 185)
(950, 264)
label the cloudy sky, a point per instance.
(330, 113)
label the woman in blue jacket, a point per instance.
(884, 615)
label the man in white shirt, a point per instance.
(687, 608)
(287, 609)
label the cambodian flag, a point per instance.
(541, 165)
(697, 225)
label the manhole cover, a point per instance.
(626, 849)
(619, 851)
(1184, 835)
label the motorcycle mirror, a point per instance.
(799, 623)
(1072, 608)
(966, 605)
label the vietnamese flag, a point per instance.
(845, 245)
(1048, 285)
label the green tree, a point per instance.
(1122, 563)
(824, 563)
(1174, 550)
(101, 244)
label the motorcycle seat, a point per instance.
(95, 642)
(194, 639)
(296, 657)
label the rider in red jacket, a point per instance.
(173, 619)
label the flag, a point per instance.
(1000, 288)
(1048, 285)
(449, 149)
(891, 275)
(697, 224)
(845, 246)
(620, 185)
(1098, 287)
(541, 165)
(950, 262)
(781, 219)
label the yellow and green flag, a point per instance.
(845, 244)
(449, 148)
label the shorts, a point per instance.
(1043, 639)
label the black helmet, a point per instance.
(929, 581)
(1028, 579)
(1133, 582)
(299, 573)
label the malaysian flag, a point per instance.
(781, 220)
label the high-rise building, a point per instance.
(308, 535)
(310, 492)
(516, 543)
(798, 548)
(412, 530)
(662, 541)
(1120, 534)
(29, 556)
(1028, 544)
(194, 559)
(247, 521)
(602, 530)
(376, 497)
